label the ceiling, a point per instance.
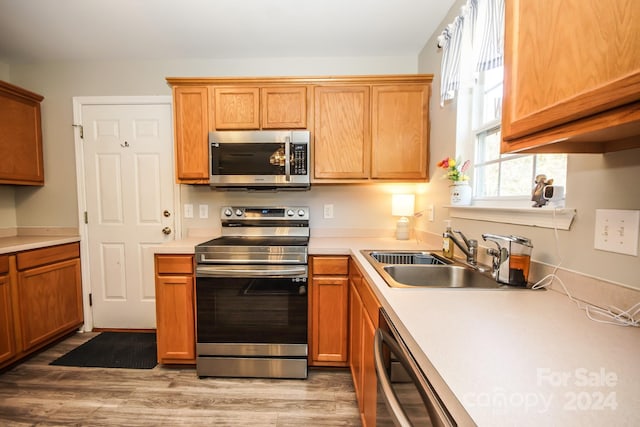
(86, 30)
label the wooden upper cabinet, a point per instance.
(342, 140)
(277, 107)
(191, 131)
(236, 108)
(20, 136)
(572, 76)
(400, 131)
(364, 128)
(284, 107)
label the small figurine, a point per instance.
(541, 181)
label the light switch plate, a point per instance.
(617, 231)
(204, 211)
(188, 210)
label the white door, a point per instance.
(127, 154)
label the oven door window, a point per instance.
(251, 310)
(248, 159)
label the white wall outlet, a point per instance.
(204, 211)
(617, 231)
(188, 210)
(429, 212)
(328, 211)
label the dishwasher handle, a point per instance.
(437, 414)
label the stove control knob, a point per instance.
(301, 212)
(290, 212)
(238, 212)
(227, 212)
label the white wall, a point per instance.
(55, 204)
(594, 181)
(7, 193)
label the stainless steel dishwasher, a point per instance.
(405, 396)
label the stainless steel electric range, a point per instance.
(251, 294)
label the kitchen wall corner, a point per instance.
(594, 181)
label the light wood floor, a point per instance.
(37, 394)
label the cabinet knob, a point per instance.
(166, 230)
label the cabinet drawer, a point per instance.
(49, 255)
(4, 264)
(330, 265)
(174, 264)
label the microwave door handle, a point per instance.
(287, 158)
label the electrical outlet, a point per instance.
(429, 211)
(204, 211)
(328, 211)
(188, 210)
(617, 231)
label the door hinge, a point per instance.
(81, 130)
(90, 300)
(86, 217)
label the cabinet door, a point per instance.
(330, 321)
(175, 319)
(581, 62)
(175, 308)
(20, 136)
(329, 306)
(284, 107)
(400, 131)
(7, 338)
(191, 130)
(355, 340)
(369, 377)
(236, 108)
(342, 141)
(50, 301)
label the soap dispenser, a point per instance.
(447, 244)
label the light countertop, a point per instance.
(24, 243)
(504, 357)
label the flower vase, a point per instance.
(460, 193)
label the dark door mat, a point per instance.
(133, 350)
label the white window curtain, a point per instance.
(451, 42)
(489, 39)
(484, 21)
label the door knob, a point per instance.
(166, 213)
(166, 230)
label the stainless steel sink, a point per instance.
(436, 276)
(407, 257)
(420, 269)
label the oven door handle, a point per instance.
(438, 416)
(238, 271)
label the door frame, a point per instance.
(78, 103)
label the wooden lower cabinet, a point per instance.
(328, 315)
(40, 299)
(175, 309)
(50, 301)
(7, 326)
(363, 316)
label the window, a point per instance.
(502, 178)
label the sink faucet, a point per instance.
(470, 246)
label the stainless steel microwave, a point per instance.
(259, 160)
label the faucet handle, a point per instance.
(466, 241)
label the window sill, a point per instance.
(560, 218)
